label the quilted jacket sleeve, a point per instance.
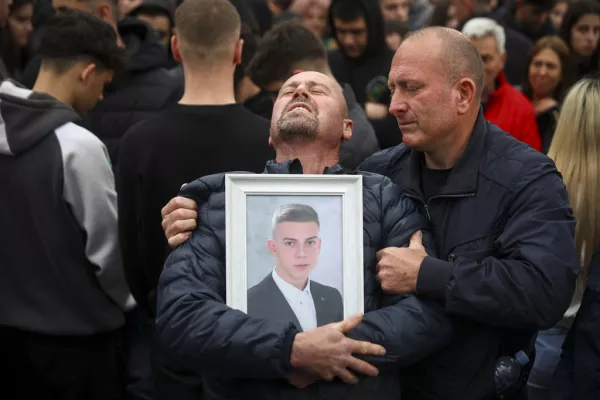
(410, 328)
(197, 331)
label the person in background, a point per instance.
(63, 291)
(529, 17)
(575, 151)
(265, 11)
(581, 31)
(159, 14)
(420, 12)
(395, 10)
(291, 48)
(362, 61)
(443, 15)
(395, 32)
(556, 15)
(16, 36)
(516, 42)
(314, 14)
(247, 92)
(125, 6)
(503, 105)
(546, 83)
(143, 89)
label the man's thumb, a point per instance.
(351, 322)
(416, 240)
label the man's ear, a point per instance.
(237, 54)
(85, 74)
(348, 125)
(270, 142)
(466, 92)
(272, 247)
(105, 13)
(175, 48)
(504, 56)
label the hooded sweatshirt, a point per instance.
(373, 64)
(59, 247)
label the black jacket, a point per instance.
(504, 234)
(578, 374)
(265, 300)
(246, 358)
(143, 90)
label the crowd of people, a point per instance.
(473, 123)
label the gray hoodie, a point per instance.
(60, 264)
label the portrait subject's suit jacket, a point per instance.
(265, 300)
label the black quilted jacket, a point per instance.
(241, 357)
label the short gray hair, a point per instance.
(479, 28)
(294, 213)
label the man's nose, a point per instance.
(300, 251)
(397, 105)
(301, 91)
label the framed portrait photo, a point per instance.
(295, 247)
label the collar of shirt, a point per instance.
(291, 292)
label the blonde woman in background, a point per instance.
(576, 151)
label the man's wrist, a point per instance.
(296, 350)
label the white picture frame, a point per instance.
(238, 188)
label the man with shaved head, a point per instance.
(242, 356)
(501, 219)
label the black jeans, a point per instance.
(60, 367)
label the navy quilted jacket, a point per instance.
(241, 357)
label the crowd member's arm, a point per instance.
(89, 189)
(530, 279)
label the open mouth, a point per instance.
(300, 106)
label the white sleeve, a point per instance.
(89, 188)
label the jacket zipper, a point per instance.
(441, 196)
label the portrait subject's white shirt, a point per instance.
(300, 301)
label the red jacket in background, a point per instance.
(510, 110)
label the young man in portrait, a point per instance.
(288, 293)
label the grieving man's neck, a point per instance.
(58, 86)
(210, 85)
(313, 157)
(447, 153)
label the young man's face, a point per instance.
(296, 247)
(90, 90)
(352, 36)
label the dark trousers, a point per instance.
(34, 366)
